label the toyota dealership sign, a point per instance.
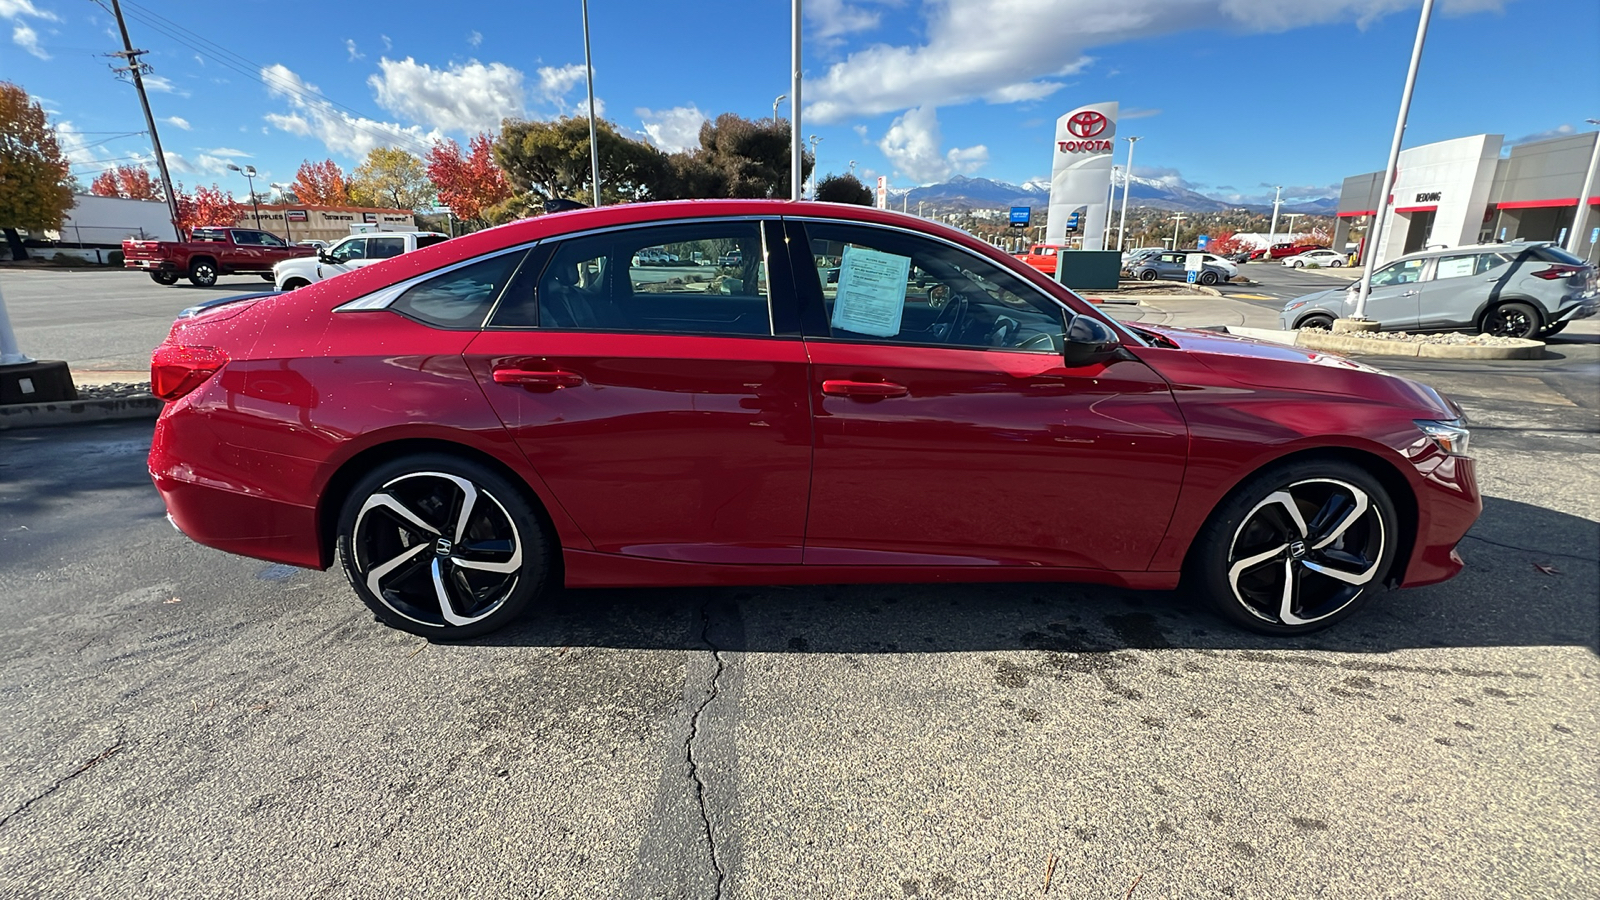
(1080, 176)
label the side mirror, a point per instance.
(1089, 342)
(322, 256)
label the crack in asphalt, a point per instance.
(688, 747)
(61, 782)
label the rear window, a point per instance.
(207, 234)
(460, 298)
(1557, 255)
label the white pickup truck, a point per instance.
(350, 254)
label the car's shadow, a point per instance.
(1532, 580)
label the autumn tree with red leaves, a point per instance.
(321, 184)
(1226, 243)
(207, 206)
(128, 182)
(469, 183)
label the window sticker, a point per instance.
(1456, 266)
(872, 292)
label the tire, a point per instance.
(1208, 278)
(295, 284)
(1334, 264)
(1322, 527)
(1318, 320)
(1147, 275)
(164, 276)
(267, 277)
(1514, 319)
(1557, 328)
(402, 543)
(203, 273)
(1297, 264)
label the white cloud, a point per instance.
(350, 48)
(339, 131)
(474, 38)
(16, 9)
(673, 129)
(210, 164)
(28, 39)
(227, 151)
(74, 145)
(468, 97)
(162, 85)
(1134, 113)
(556, 82)
(387, 44)
(1556, 132)
(1006, 51)
(177, 122)
(834, 19)
(913, 142)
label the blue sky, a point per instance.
(1229, 95)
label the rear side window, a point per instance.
(1468, 264)
(206, 234)
(428, 240)
(459, 298)
(385, 247)
(247, 237)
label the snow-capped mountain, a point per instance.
(961, 192)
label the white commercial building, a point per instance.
(1464, 191)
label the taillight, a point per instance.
(1559, 270)
(175, 371)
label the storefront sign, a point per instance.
(1080, 177)
(296, 215)
(1429, 196)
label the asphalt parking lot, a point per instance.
(183, 722)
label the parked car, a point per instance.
(1509, 290)
(460, 428)
(1279, 251)
(1129, 257)
(1329, 258)
(1042, 257)
(209, 254)
(728, 259)
(352, 253)
(1173, 266)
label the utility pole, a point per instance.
(1277, 199)
(1127, 182)
(1111, 201)
(1176, 221)
(796, 189)
(1291, 217)
(137, 70)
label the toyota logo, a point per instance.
(1087, 124)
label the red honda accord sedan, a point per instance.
(763, 392)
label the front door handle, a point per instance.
(1409, 294)
(537, 379)
(864, 390)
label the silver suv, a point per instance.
(1523, 290)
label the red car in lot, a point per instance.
(463, 426)
(209, 254)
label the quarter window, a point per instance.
(460, 298)
(888, 286)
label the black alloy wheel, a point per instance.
(1297, 548)
(1208, 278)
(1317, 321)
(203, 272)
(1147, 275)
(1514, 320)
(442, 547)
(164, 276)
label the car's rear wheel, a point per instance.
(1208, 278)
(266, 276)
(1317, 321)
(1335, 263)
(1147, 275)
(203, 272)
(442, 547)
(1297, 548)
(164, 276)
(1514, 319)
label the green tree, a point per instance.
(740, 158)
(35, 182)
(550, 160)
(392, 178)
(843, 189)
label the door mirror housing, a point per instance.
(322, 256)
(1089, 342)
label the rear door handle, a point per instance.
(537, 379)
(864, 390)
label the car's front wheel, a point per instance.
(1297, 547)
(295, 284)
(1514, 320)
(1317, 321)
(442, 547)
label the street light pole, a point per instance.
(775, 101)
(1127, 183)
(1176, 221)
(1276, 200)
(1291, 217)
(594, 145)
(288, 238)
(249, 173)
(814, 167)
(1580, 217)
(1375, 234)
(1111, 203)
(796, 160)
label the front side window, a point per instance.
(271, 240)
(385, 247)
(888, 286)
(677, 279)
(459, 298)
(1407, 271)
(352, 249)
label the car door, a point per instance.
(274, 249)
(246, 253)
(345, 256)
(668, 416)
(1396, 289)
(1460, 288)
(948, 429)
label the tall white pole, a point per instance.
(594, 145)
(1291, 217)
(1277, 199)
(1375, 234)
(1580, 218)
(1176, 221)
(1111, 205)
(1127, 182)
(795, 156)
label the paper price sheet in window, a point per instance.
(872, 292)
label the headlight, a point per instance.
(1450, 436)
(1295, 304)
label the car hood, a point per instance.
(1262, 364)
(1320, 298)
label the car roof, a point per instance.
(1511, 247)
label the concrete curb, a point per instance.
(78, 412)
(1349, 343)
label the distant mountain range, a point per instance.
(985, 193)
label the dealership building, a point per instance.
(1464, 191)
